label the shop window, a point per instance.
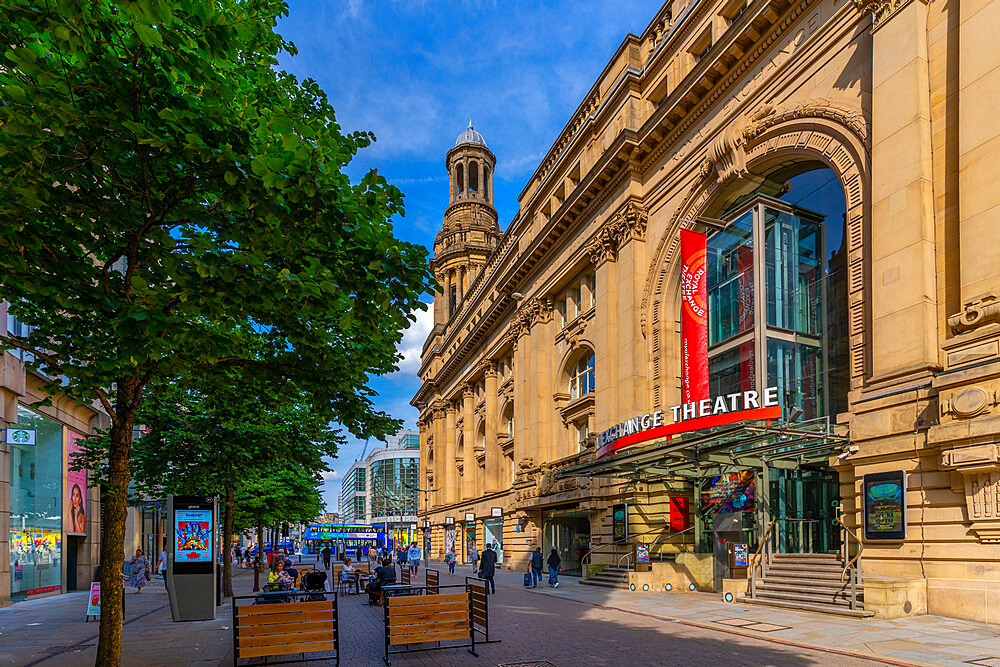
(581, 380)
(36, 508)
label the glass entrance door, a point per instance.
(493, 535)
(568, 532)
(807, 499)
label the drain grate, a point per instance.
(989, 661)
(534, 663)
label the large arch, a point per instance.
(737, 162)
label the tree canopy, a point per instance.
(175, 201)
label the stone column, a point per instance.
(468, 447)
(631, 378)
(904, 314)
(438, 497)
(978, 146)
(605, 332)
(522, 398)
(493, 458)
(451, 490)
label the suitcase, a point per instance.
(527, 580)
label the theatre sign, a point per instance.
(690, 416)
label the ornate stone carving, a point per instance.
(526, 463)
(545, 480)
(489, 368)
(879, 9)
(984, 309)
(979, 466)
(969, 402)
(468, 391)
(626, 225)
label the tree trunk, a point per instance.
(109, 644)
(227, 544)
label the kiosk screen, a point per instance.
(193, 536)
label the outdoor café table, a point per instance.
(391, 590)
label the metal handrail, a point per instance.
(861, 547)
(587, 556)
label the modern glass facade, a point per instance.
(394, 482)
(779, 265)
(36, 502)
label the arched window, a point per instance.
(508, 420)
(581, 378)
(459, 179)
(474, 176)
(486, 182)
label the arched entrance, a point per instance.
(785, 273)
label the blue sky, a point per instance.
(413, 72)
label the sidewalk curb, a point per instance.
(732, 631)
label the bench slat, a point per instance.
(291, 638)
(276, 629)
(427, 609)
(480, 620)
(422, 628)
(410, 619)
(286, 649)
(283, 608)
(281, 619)
(429, 637)
(409, 600)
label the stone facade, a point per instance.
(20, 387)
(713, 102)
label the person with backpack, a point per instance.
(326, 553)
(450, 559)
(554, 562)
(535, 564)
(487, 567)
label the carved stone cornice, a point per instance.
(979, 466)
(980, 311)
(488, 368)
(627, 224)
(880, 10)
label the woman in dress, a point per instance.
(140, 570)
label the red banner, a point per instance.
(680, 515)
(694, 317)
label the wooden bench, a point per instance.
(286, 629)
(418, 619)
(404, 574)
(432, 579)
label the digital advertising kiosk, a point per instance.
(191, 562)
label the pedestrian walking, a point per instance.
(413, 558)
(161, 563)
(401, 557)
(372, 556)
(535, 563)
(554, 562)
(487, 569)
(450, 559)
(237, 555)
(474, 557)
(326, 553)
(140, 571)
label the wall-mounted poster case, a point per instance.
(885, 506)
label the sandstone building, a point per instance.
(835, 159)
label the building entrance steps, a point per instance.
(810, 582)
(609, 577)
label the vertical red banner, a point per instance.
(680, 514)
(694, 316)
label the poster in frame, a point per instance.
(619, 523)
(884, 496)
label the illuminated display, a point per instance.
(193, 536)
(732, 492)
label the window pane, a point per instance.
(730, 280)
(732, 371)
(795, 267)
(797, 370)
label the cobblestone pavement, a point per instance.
(572, 625)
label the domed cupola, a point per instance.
(471, 229)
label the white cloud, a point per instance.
(413, 341)
(330, 475)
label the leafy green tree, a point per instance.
(173, 201)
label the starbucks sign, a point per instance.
(20, 436)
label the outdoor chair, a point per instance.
(315, 583)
